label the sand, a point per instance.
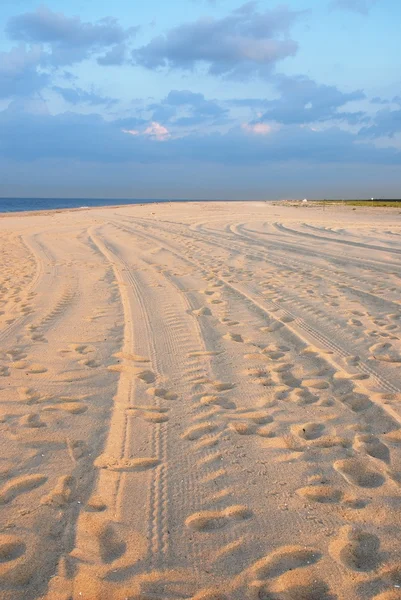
(202, 402)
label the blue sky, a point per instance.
(200, 98)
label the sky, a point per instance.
(207, 99)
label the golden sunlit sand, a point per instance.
(201, 401)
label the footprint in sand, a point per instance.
(4, 371)
(323, 494)
(243, 428)
(260, 417)
(356, 549)
(125, 464)
(317, 384)
(209, 521)
(308, 431)
(282, 561)
(91, 363)
(73, 407)
(37, 369)
(234, 337)
(161, 393)
(20, 485)
(202, 312)
(197, 431)
(222, 386)
(32, 420)
(63, 492)
(18, 559)
(358, 471)
(385, 352)
(218, 401)
(150, 414)
(356, 401)
(371, 445)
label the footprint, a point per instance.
(243, 428)
(74, 408)
(222, 386)
(20, 485)
(321, 493)
(260, 417)
(161, 393)
(356, 549)
(317, 384)
(209, 521)
(355, 322)
(385, 352)
(104, 541)
(154, 416)
(11, 548)
(373, 446)
(146, 376)
(197, 431)
(62, 493)
(219, 401)
(125, 464)
(287, 558)
(132, 357)
(308, 431)
(303, 396)
(234, 337)
(357, 402)
(36, 369)
(18, 560)
(293, 585)
(91, 363)
(287, 319)
(32, 420)
(202, 312)
(357, 471)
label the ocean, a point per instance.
(22, 204)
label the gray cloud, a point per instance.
(70, 39)
(115, 56)
(302, 100)
(386, 123)
(184, 108)
(79, 96)
(18, 72)
(28, 137)
(360, 6)
(244, 43)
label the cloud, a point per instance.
(89, 138)
(257, 128)
(378, 100)
(244, 43)
(184, 108)
(115, 56)
(69, 39)
(157, 131)
(359, 6)
(302, 100)
(79, 96)
(18, 72)
(386, 123)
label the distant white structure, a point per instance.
(304, 200)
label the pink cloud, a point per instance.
(257, 128)
(157, 131)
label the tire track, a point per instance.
(311, 334)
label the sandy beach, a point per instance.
(201, 401)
